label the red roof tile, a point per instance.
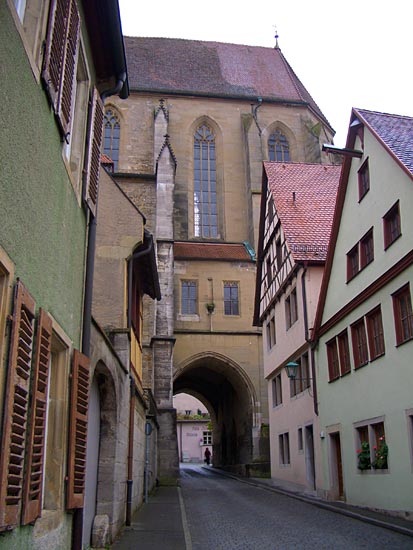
(396, 131)
(304, 197)
(213, 69)
(210, 251)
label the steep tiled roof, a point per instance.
(304, 197)
(210, 251)
(216, 69)
(396, 131)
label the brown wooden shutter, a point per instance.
(64, 111)
(95, 143)
(16, 408)
(53, 61)
(59, 65)
(79, 401)
(33, 482)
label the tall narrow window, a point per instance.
(277, 397)
(364, 180)
(291, 314)
(231, 306)
(353, 262)
(188, 297)
(344, 352)
(332, 360)
(205, 184)
(359, 338)
(391, 225)
(375, 333)
(284, 448)
(112, 137)
(278, 148)
(366, 249)
(403, 317)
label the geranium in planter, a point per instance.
(364, 457)
(382, 452)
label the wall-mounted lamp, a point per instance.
(291, 368)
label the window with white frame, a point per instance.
(189, 299)
(207, 437)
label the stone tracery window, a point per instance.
(205, 184)
(278, 147)
(112, 137)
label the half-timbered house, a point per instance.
(297, 208)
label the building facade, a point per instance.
(364, 321)
(59, 65)
(188, 147)
(296, 215)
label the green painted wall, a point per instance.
(43, 228)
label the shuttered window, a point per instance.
(59, 67)
(79, 399)
(37, 429)
(95, 142)
(16, 408)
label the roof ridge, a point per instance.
(381, 113)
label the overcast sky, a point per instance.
(352, 53)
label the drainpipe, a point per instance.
(308, 339)
(77, 525)
(129, 481)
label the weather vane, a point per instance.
(276, 37)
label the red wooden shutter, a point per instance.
(33, 482)
(95, 143)
(16, 408)
(55, 49)
(59, 65)
(64, 111)
(79, 401)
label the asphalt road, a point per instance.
(224, 514)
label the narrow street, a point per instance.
(223, 513)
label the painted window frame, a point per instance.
(333, 359)
(344, 352)
(392, 225)
(366, 254)
(403, 321)
(360, 343)
(375, 333)
(363, 179)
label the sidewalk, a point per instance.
(161, 520)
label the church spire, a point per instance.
(276, 47)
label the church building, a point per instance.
(188, 148)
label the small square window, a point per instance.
(403, 317)
(375, 333)
(391, 225)
(364, 179)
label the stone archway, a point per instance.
(229, 395)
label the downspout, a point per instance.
(129, 481)
(77, 525)
(308, 339)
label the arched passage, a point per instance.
(229, 395)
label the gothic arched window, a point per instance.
(111, 137)
(278, 148)
(205, 184)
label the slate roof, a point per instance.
(306, 217)
(210, 251)
(216, 69)
(396, 131)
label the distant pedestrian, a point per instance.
(207, 455)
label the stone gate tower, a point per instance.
(190, 142)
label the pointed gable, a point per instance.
(304, 196)
(395, 131)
